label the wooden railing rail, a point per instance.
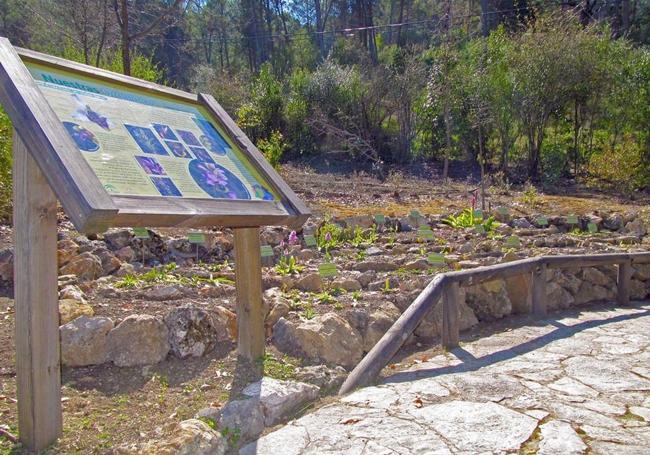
(447, 285)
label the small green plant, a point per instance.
(276, 368)
(360, 237)
(209, 422)
(338, 306)
(329, 235)
(360, 256)
(356, 296)
(466, 219)
(308, 312)
(129, 281)
(325, 298)
(530, 196)
(386, 289)
(287, 265)
(232, 435)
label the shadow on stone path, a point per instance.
(571, 384)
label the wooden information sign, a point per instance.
(119, 151)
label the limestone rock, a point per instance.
(568, 281)
(349, 284)
(125, 254)
(310, 283)
(378, 324)
(489, 301)
(279, 398)
(595, 276)
(591, 293)
(191, 331)
(521, 223)
(70, 310)
(431, 325)
(190, 437)
(86, 266)
(478, 427)
(322, 376)
(518, 288)
(243, 415)
(613, 222)
(66, 250)
(84, 341)
(328, 338)
(559, 438)
(225, 323)
(557, 297)
(162, 292)
(118, 238)
(636, 227)
(7, 265)
(140, 339)
(642, 272)
(73, 292)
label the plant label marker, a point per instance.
(542, 221)
(380, 219)
(513, 242)
(592, 227)
(572, 219)
(196, 238)
(327, 270)
(415, 214)
(478, 214)
(425, 233)
(480, 229)
(503, 210)
(266, 251)
(141, 233)
(310, 241)
(145, 155)
(436, 259)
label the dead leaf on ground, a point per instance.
(350, 421)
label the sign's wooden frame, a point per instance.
(90, 207)
(48, 166)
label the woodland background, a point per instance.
(546, 91)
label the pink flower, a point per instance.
(328, 237)
(293, 238)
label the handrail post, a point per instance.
(623, 282)
(539, 290)
(450, 315)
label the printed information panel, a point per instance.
(146, 145)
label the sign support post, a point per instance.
(248, 279)
(38, 374)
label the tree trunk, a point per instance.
(126, 38)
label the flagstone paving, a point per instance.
(568, 385)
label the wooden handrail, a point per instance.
(447, 284)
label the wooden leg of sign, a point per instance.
(248, 281)
(38, 374)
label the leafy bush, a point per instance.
(273, 148)
(466, 219)
(6, 131)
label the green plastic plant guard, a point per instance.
(197, 238)
(310, 240)
(141, 233)
(327, 270)
(266, 251)
(513, 242)
(436, 259)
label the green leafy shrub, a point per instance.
(273, 148)
(466, 219)
(6, 132)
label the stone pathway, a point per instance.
(570, 385)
